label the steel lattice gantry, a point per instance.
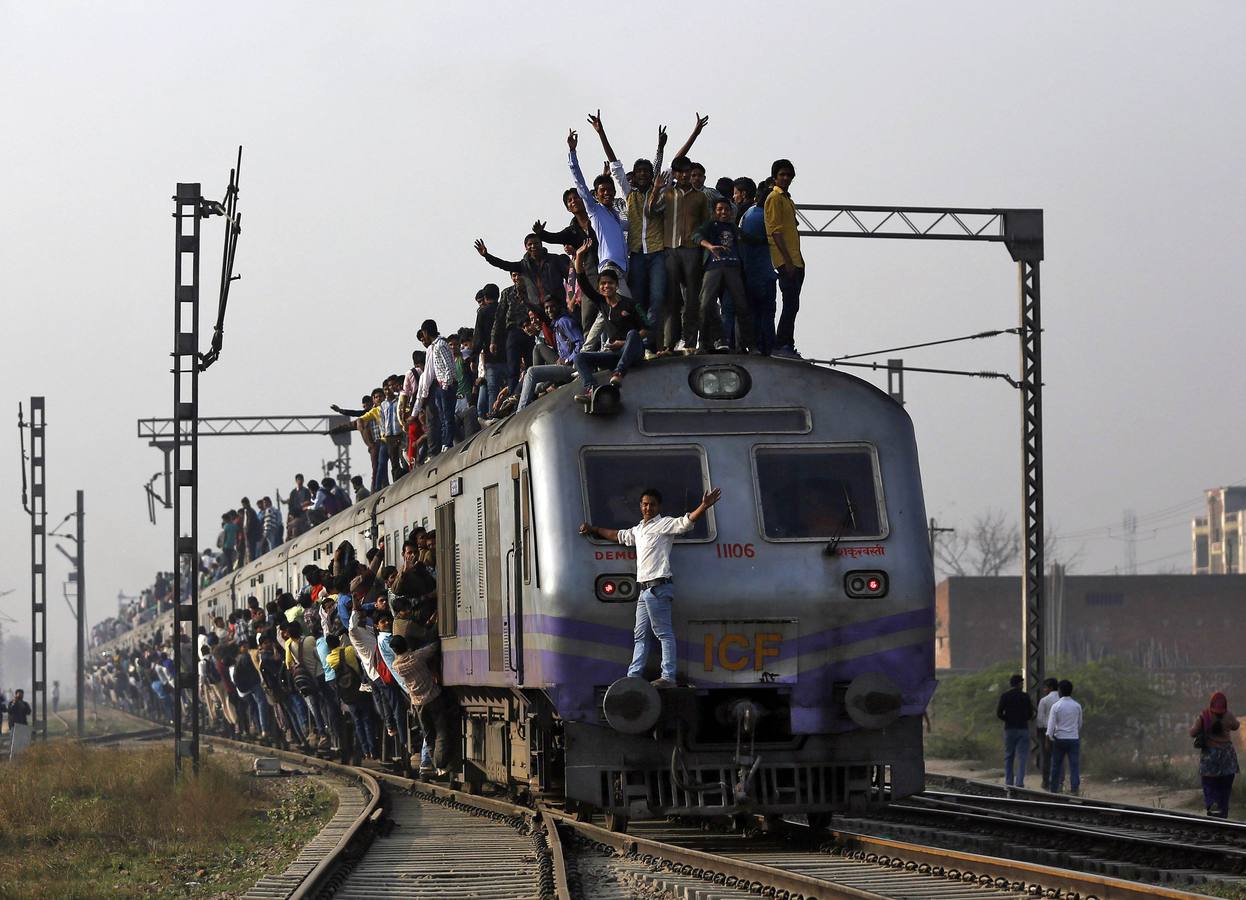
(187, 216)
(159, 433)
(38, 510)
(1021, 231)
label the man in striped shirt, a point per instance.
(437, 386)
(270, 518)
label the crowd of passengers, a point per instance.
(133, 612)
(652, 263)
(349, 666)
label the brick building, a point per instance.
(1161, 622)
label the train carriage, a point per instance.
(804, 600)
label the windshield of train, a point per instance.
(817, 493)
(614, 480)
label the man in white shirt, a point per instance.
(653, 539)
(1064, 728)
(1049, 697)
(437, 386)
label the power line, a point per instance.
(885, 366)
(967, 337)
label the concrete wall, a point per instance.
(1159, 621)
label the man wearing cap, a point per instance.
(653, 539)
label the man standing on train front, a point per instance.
(653, 538)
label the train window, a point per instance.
(614, 478)
(819, 493)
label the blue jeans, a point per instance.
(1016, 744)
(443, 399)
(518, 349)
(380, 469)
(536, 375)
(789, 287)
(365, 731)
(495, 379)
(633, 351)
(653, 614)
(646, 278)
(760, 287)
(1060, 748)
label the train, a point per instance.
(804, 600)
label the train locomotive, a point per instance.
(804, 600)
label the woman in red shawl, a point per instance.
(1219, 761)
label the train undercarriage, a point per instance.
(700, 756)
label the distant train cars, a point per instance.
(804, 599)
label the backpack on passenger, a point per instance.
(346, 679)
(304, 681)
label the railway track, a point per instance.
(407, 838)
(1132, 843)
(431, 840)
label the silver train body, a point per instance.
(804, 602)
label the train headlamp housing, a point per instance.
(616, 588)
(720, 382)
(866, 584)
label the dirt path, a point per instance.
(1094, 787)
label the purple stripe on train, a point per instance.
(578, 630)
(574, 681)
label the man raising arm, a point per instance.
(653, 538)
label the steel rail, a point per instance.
(940, 808)
(1018, 875)
(561, 886)
(811, 888)
(994, 790)
(1030, 874)
(1177, 818)
(312, 882)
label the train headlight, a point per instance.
(720, 382)
(868, 584)
(616, 588)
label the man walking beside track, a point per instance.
(653, 538)
(1064, 727)
(1016, 709)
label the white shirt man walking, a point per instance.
(653, 539)
(1064, 727)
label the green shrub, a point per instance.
(1116, 700)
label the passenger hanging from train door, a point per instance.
(417, 660)
(363, 639)
(395, 688)
(354, 696)
(653, 537)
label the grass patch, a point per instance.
(84, 822)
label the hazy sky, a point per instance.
(382, 138)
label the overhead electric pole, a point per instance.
(35, 504)
(78, 577)
(190, 208)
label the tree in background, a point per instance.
(991, 545)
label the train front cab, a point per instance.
(804, 607)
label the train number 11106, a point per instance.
(735, 551)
